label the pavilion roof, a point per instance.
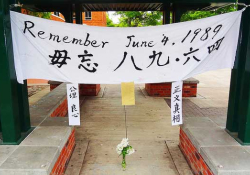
(121, 5)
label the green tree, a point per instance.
(139, 18)
(153, 18)
(110, 23)
(193, 15)
(45, 15)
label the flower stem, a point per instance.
(124, 162)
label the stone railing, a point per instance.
(48, 148)
(210, 150)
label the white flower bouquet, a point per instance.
(124, 149)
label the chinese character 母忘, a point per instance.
(88, 63)
(59, 58)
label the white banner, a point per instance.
(176, 103)
(73, 104)
(46, 49)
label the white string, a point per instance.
(126, 121)
(245, 5)
(241, 4)
(210, 8)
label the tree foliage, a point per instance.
(153, 18)
(110, 23)
(45, 15)
(193, 15)
(139, 18)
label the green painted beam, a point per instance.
(236, 84)
(23, 99)
(244, 102)
(9, 108)
(23, 103)
(78, 12)
(232, 124)
(166, 13)
(68, 14)
(178, 11)
(0, 124)
(234, 99)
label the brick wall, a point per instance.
(84, 89)
(98, 19)
(61, 110)
(164, 89)
(193, 157)
(37, 81)
(189, 90)
(53, 86)
(64, 157)
(89, 89)
(59, 18)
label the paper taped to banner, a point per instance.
(128, 93)
(73, 104)
(46, 49)
(176, 103)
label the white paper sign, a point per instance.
(73, 104)
(46, 49)
(176, 103)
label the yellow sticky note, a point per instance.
(128, 93)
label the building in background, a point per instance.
(94, 18)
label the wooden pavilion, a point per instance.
(14, 106)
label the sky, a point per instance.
(115, 18)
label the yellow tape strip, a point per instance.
(128, 93)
